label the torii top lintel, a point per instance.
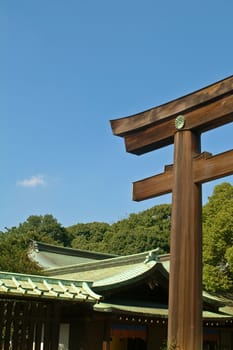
(181, 122)
(203, 110)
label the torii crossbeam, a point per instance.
(182, 122)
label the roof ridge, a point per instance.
(42, 246)
(115, 261)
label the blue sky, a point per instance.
(67, 68)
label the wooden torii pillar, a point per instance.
(181, 122)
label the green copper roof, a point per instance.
(110, 277)
(160, 311)
(132, 274)
(49, 256)
(100, 270)
(43, 287)
(156, 310)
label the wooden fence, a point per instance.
(28, 325)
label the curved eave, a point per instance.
(154, 311)
(41, 287)
(134, 275)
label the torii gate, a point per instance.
(181, 122)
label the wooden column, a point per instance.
(106, 345)
(185, 286)
(182, 121)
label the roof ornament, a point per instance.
(33, 246)
(152, 256)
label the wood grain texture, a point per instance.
(205, 168)
(185, 287)
(202, 119)
(202, 110)
(127, 125)
(153, 186)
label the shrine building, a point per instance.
(93, 301)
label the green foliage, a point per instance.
(89, 236)
(13, 257)
(229, 259)
(140, 232)
(46, 227)
(137, 233)
(15, 242)
(218, 240)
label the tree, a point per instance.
(15, 242)
(13, 256)
(46, 226)
(88, 236)
(140, 232)
(218, 240)
(137, 233)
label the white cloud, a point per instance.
(34, 181)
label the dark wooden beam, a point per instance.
(205, 168)
(202, 119)
(201, 111)
(185, 287)
(208, 168)
(127, 125)
(153, 186)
